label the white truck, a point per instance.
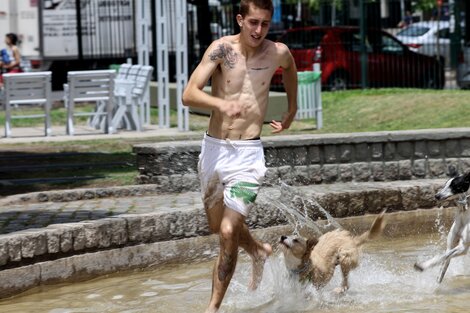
(47, 30)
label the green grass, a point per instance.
(343, 112)
(390, 109)
(58, 116)
(395, 109)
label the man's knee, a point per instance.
(229, 230)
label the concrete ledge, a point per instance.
(95, 264)
(330, 158)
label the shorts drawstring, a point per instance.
(230, 143)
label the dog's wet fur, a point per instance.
(314, 260)
(458, 239)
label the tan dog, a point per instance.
(315, 260)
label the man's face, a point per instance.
(255, 25)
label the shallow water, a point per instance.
(384, 282)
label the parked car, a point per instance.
(430, 38)
(463, 70)
(389, 62)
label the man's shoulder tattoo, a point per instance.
(226, 53)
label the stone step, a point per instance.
(162, 217)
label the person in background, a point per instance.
(407, 20)
(10, 56)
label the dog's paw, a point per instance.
(418, 267)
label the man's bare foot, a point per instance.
(264, 251)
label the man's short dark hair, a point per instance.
(13, 38)
(262, 4)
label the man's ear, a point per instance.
(239, 20)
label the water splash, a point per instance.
(309, 202)
(384, 275)
(303, 212)
(440, 225)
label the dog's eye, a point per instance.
(295, 240)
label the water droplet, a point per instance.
(149, 294)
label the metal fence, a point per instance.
(392, 50)
(405, 43)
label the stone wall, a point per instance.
(315, 159)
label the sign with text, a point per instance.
(107, 28)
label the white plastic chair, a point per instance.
(129, 93)
(90, 86)
(27, 88)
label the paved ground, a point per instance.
(34, 215)
(36, 134)
(18, 217)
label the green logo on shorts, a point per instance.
(243, 191)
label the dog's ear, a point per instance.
(311, 243)
(467, 176)
(452, 171)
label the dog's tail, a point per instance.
(375, 230)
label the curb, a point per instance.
(68, 195)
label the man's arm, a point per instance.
(16, 59)
(193, 94)
(290, 85)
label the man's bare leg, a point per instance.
(224, 268)
(258, 251)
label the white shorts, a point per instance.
(232, 171)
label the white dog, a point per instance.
(458, 240)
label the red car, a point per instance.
(389, 62)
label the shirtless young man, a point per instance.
(231, 164)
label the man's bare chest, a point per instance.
(255, 73)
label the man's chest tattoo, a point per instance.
(226, 53)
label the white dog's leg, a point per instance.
(460, 249)
(430, 263)
(451, 238)
(452, 241)
(443, 270)
(454, 233)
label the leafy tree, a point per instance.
(424, 5)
